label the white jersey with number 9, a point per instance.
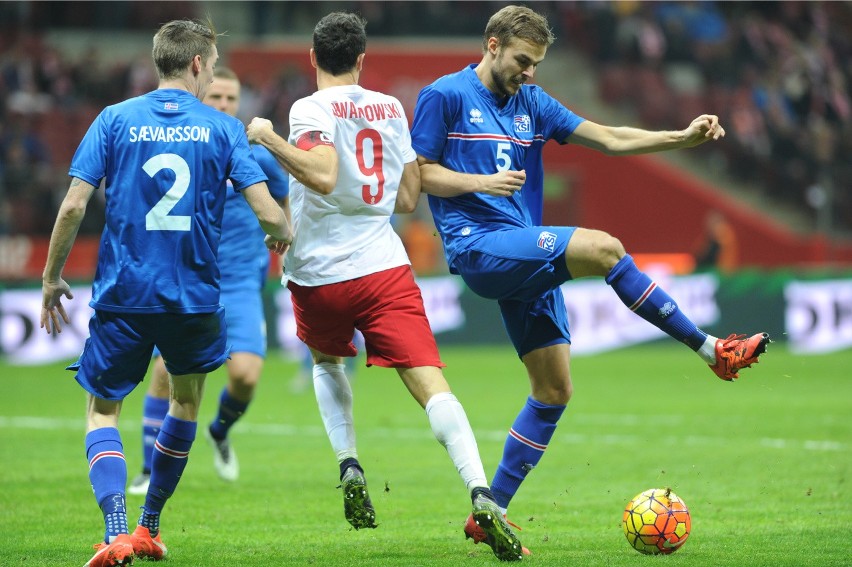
(347, 234)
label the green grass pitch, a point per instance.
(764, 465)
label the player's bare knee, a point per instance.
(242, 387)
(592, 253)
(564, 394)
(609, 251)
(555, 394)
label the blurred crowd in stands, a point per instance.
(778, 74)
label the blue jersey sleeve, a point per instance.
(429, 128)
(557, 122)
(243, 169)
(89, 161)
(279, 185)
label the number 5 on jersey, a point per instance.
(504, 160)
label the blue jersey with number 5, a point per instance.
(466, 128)
(165, 158)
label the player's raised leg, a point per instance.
(596, 253)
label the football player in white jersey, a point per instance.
(351, 167)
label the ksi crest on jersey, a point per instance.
(547, 241)
(522, 123)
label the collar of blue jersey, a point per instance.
(172, 93)
(497, 100)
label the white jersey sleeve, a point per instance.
(347, 234)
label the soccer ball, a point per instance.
(656, 521)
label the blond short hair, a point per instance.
(178, 42)
(225, 73)
(518, 22)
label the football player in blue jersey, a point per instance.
(479, 135)
(243, 263)
(164, 159)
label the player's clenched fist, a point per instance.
(703, 128)
(257, 129)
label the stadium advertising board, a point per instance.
(812, 316)
(819, 315)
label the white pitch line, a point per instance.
(286, 430)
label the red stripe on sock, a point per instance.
(526, 441)
(104, 454)
(645, 295)
(170, 452)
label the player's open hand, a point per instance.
(704, 128)
(278, 246)
(503, 183)
(51, 306)
(257, 129)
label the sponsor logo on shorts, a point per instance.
(465, 231)
(547, 241)
(667, 309)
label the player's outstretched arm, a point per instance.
(273, 220)
(315, 168)
(409, 189)
(68, 220)
(624, 140)
(442, 182)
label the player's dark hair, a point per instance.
(518, 22)
(339, 38)
(177, 42)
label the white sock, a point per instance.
(334, 398)
(707, 352)
(452, 429)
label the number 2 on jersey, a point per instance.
(370, 195)
(158, 218)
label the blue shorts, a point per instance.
(118, 351)
(522, 268)
(246, 321)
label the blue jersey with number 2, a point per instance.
(164, 158)
(466, 128)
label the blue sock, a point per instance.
(230, 410)
(524, 448)
(645, 298)
(108, 475)
(154, 410)
(171, 452)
